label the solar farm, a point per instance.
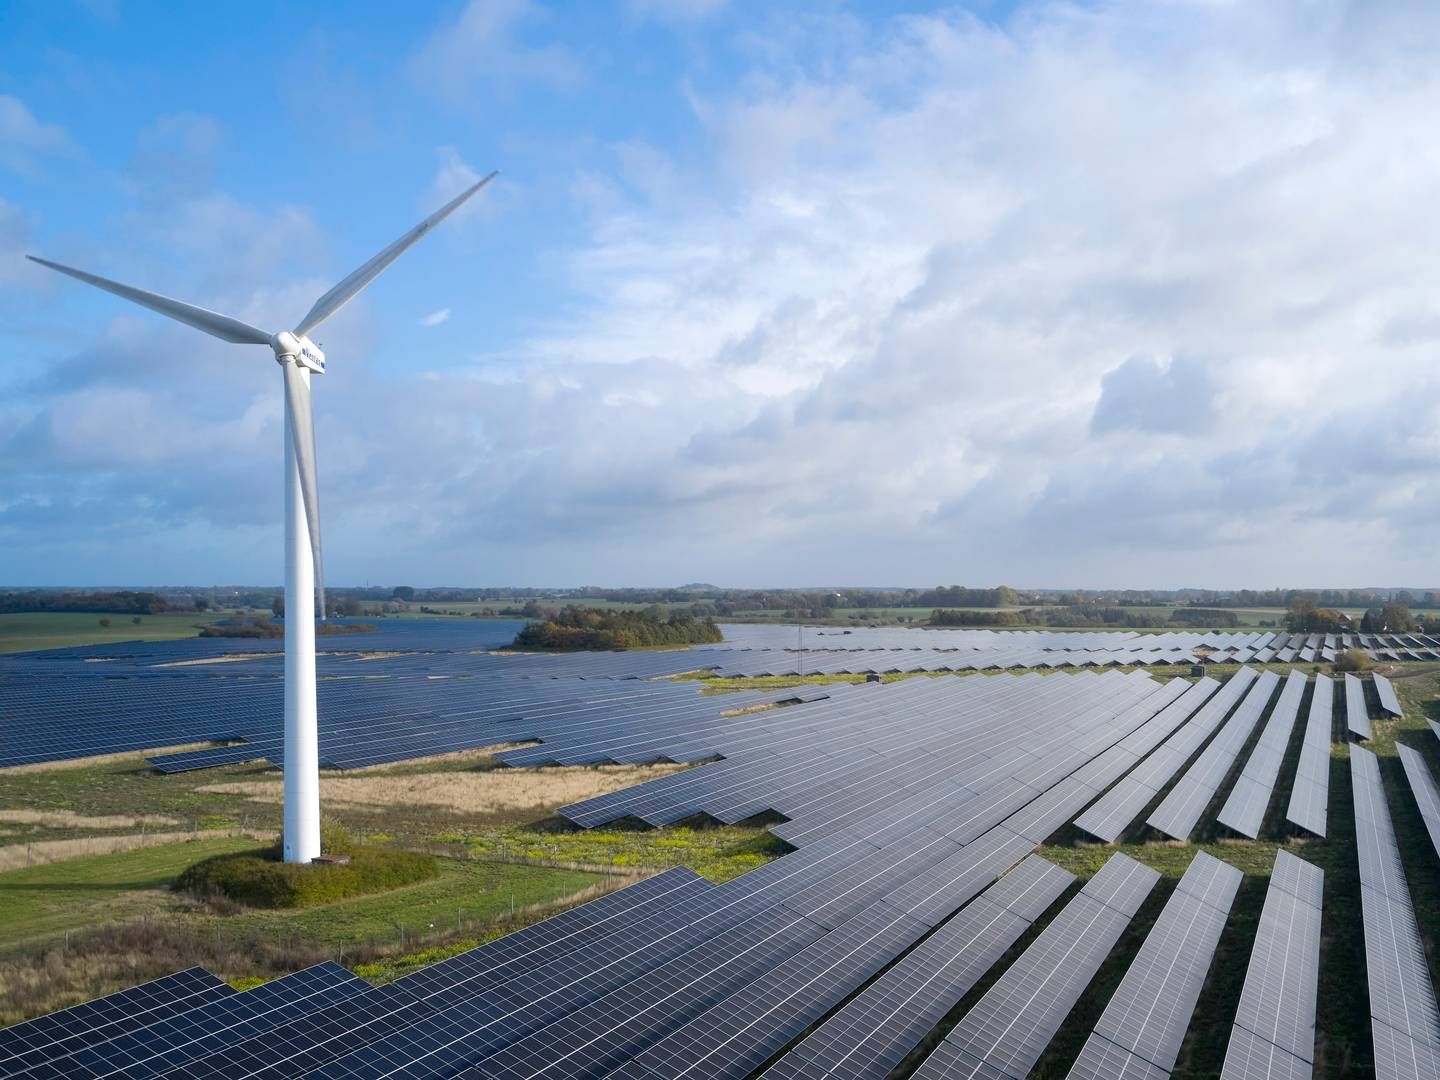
(985, 854)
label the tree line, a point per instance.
(1087, 615)
(124, 602)
(1306, 615)
(576, 627)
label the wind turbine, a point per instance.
(299, 358)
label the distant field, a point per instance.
(59, 630)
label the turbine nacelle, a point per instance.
(300, 349)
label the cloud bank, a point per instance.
(1128, 295)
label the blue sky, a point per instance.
(1108, 294)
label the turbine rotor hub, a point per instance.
(300, 349)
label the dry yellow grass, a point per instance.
(489, 792)
(105, 759)
(68, 819)
(15, 856)
(476, 754)
(229, 658)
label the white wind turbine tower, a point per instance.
(298, 357)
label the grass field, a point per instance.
(41, 902)
(503, 852)
(59, 630)
(465, 893)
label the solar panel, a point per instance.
(1008, 1029)
(1275, 1022)
(601, 1035)
(874, 1031)
(1422, 786)
(1100, 1059)
(1357, 717)
(1179, 812)
(1402, 997)
(1310, 793)
(1150, 1010)
(911, 799)
(1244, 810)
(67, 1030)
(1249, 1057)
(169, 1044)
(1388, 701)
(1117, 808)
(738, 1035)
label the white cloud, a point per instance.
(26, 141)
(435, 318)
(895, 327)
(488, 46)
(675, 11)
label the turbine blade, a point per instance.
(302, 434)
(213, 323)
(341, 294)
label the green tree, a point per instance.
(1396, 618)
(1354, 660)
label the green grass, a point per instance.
(58, 630)
(129, 787)
(260, 878)
(719, 853)
(40, 902)
(469, 892)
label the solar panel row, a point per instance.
(873, 887)
(1179, 812)
(1422, 786)
(362, 722)
(1147, 1016)
(776, 651)
(1274, 1030)
(398, 704)
(61, 1033)
(1007, 1030)
(938, 751)
(1122, 804)
(1389, 703)
(909, 800)
(1403, 1014)
(1310, 793)
(1244, 810)
(165, 1044)
(875, 1031)
(1357, 716)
